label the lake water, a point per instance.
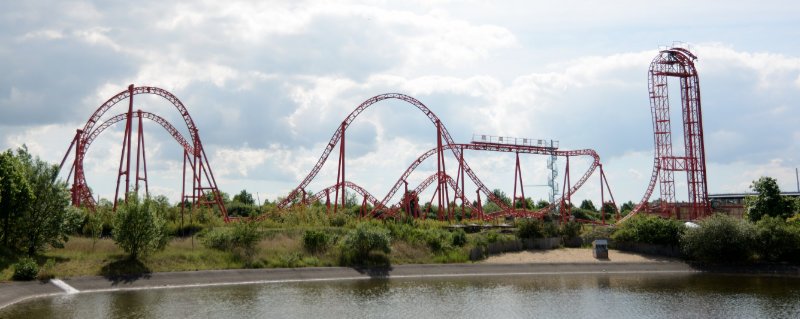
(531, 296)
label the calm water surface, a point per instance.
(541, 296)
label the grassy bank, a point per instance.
(277, 248)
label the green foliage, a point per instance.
(35, 207)
(459, 238)
(719, 239)
(25, 269)
(627, 207)
(542, 204)
(535, 228)
(238, 209)
(339, 220)
(15, 196)
(138, 229)
(777, 240)
(240, 240)
(46, 271)
(650, 229)
(502, 196)
(768, 201)
(588, 205)
(360, 242)
(315, 241)
(244, 198)
(593, 232)
(530, 228)
(438, 240)
(570, 229)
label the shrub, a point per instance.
(590, 234)
(534, 228)
(438, 240)
(777, 240)
(138, 229)
(571, 229)
(530, 228)
(650, 229)
(240, 240)
(315, 240)
(361, 241)
(459, 238)
(25, 269)
(720, 238)
(339, 220)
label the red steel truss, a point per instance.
(204, 189)
(443, 181)
(679, 63)
(339, 135)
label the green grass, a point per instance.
(281, 246)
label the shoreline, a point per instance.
(16, 292)
(524, 263)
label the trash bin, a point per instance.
(600, 249)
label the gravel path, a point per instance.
(571, 255)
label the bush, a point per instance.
(25, 269)
(459, 238)
(650, 229)
(360, 242)
(534, 228)
(530, 228)
(777, 240)
(315, 240)
(438, 240)
(570, 229)
(138, 229)
(720, 238)
(240, 240)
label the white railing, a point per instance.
(482, 138)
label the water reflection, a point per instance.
(561, 296)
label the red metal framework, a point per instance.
(204, 189)
(339, 135)
(444, 142)
(678, 63)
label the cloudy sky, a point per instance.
(268, 82)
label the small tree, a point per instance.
(588, 205)
(138, 229)
(244, 197)
(767, 201)
(364, 239)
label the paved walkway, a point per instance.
(14, 292)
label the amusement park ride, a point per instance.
(448, 190)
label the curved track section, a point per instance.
(337, 135)
(319, 196)
(195, 159)
(126, 94)
(85, 193)
(507, 148)
(678, 63)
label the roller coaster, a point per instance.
(673, 62)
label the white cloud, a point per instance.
(267, 83)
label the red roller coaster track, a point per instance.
(444, 142)
(204, 189)
(679, 63)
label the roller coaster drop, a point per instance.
(444, 142)
(675, 62)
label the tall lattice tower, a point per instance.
(677, 62)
